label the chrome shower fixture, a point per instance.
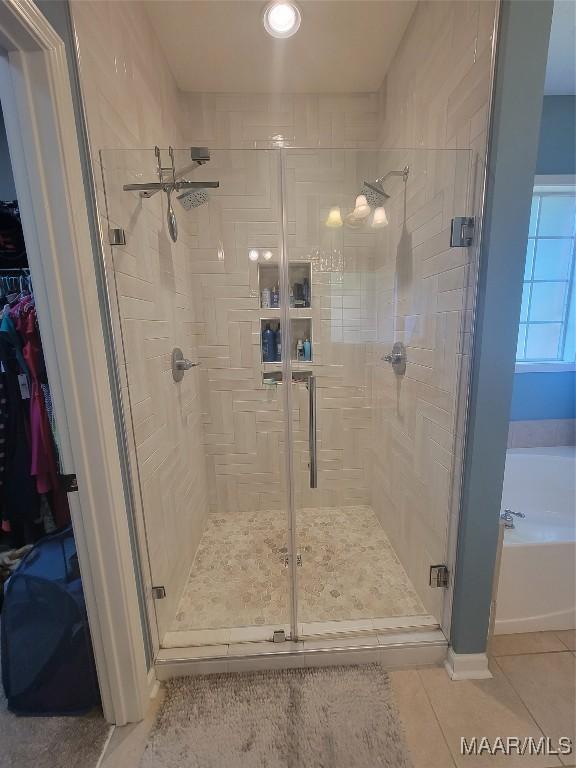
(194, 199)
(170, 182)
(374, 191)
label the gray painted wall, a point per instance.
(557, 149)
(7, 188)
(519, 86)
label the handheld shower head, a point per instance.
(195, 193)
(193, 199)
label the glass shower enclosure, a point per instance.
(301, 476)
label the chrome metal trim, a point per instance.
(397, 358)
(148, 190)
(288, 652)
(462, 232)
(180, 364)
(116, 236)
(312, 437)
(285, 327)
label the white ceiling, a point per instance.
(561, 68)
(221, 45)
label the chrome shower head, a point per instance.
(374, 193)
(193, 198)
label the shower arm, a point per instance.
(404, 173)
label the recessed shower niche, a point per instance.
(300, 281)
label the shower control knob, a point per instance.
(185, 365)
(180, 364)
(397, 358)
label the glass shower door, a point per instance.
(376, 445)
(208, 452)
(314, 506)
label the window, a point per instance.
(547, 316)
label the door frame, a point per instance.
(43, 144)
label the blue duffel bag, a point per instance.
(47, 659)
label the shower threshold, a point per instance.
(307, 631)
(393, 647)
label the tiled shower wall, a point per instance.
(132, 102)
(244, 418)
(435, 94)
(258, 120)
(245, 464)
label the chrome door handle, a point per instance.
(312, 431)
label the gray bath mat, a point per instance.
(329, 717)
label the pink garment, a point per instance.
(43, 464)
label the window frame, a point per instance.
(547, 186)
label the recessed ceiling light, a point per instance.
(281, 19)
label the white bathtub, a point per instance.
(537, 585)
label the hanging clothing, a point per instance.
(19, 499)
(31, 474)
(43, 464)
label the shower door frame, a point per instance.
(285, 326)
(287, 374)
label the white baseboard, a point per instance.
(153, 683)
(467, 666)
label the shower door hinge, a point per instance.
(117, 236)
(462, 232)
(439, 576)
(158, 593)
(69, 483)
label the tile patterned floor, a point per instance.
(349, 571)
(532, 693)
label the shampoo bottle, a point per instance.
(268, 344)
(278, 345)
(306, 292)
(307, 349)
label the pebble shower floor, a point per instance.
(349, 571)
